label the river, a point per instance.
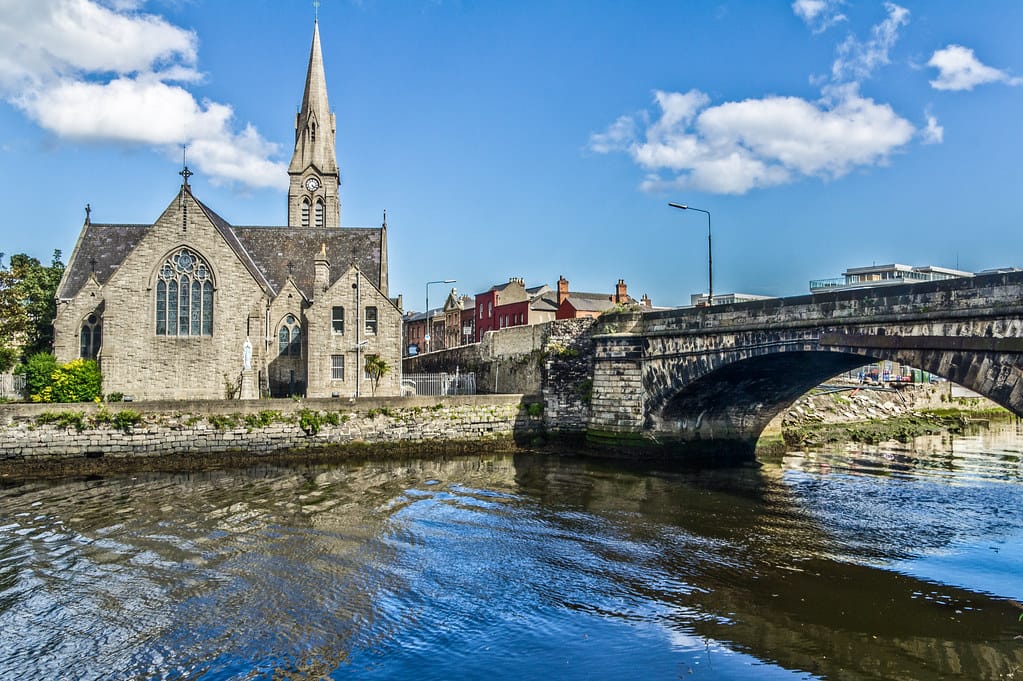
(851, 563)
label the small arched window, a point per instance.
(305, 212)
(184, 296)
(289, 338)
(91, 337)
(319, 212)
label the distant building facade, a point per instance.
(885, 275)
(700, 299)
(576, 305)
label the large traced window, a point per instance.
(184, 296)
(91, 337)
(289, 338)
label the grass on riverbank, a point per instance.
(899, 428)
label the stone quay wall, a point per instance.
(511, 360)
(134, 431)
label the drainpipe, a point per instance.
(358, 332)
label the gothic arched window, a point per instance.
(91, 337)
(305, 212)
(289, 338)
(319, 212)
(184, 296)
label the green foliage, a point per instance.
(115, 397)
(562, 352)
(77, 381)
(28, 305)
(223, 421)
(38, 372)
(376, 368)
(64, 419)
(585, 389)
(534, 409)
(8, 357)
(310, 421)
(262, 419)
(126, 419)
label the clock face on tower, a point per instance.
(312, 184)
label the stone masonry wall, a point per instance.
(568, 386)
(507, 361)
(36, 433)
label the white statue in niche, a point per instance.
(247, 355)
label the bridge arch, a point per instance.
(717, 376)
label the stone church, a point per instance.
(192, 307)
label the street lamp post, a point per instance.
(710, 252)
(429, 328)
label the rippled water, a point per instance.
(844, 564)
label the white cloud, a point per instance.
(933, 133)
(819, 15)
(959, 69)
(104, 72)
(734, 147)
(857, 60)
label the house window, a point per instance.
(371, 320)
(184, 296)
(91, 337)
(490, 310)
(305, 212)
(289, 338)
(337, 367)
(319, 213)
(337, 319)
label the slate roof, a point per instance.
(544, 304)
(270, 254)
(594, 302)
(274, 248)
(100, 249)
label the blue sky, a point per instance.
(539, 138)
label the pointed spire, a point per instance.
(314, 127)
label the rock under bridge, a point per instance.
(708, 380)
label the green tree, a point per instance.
(38, 372)
(376, 368)
(28, 305)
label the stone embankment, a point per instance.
(874, 413)
(43, 437)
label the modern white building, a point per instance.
(885, 275)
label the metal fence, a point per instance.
(12, 387)
(438, 384)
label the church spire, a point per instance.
(313, 197)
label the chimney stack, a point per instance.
(621, 292)
(321, 275)
(562, 290)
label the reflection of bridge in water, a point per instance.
(744, 564)
(710, 379)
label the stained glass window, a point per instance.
(184, 296)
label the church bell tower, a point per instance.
(313, 199)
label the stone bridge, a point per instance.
(708, 380)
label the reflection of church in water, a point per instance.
(173, 310)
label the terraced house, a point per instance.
(193, 307)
